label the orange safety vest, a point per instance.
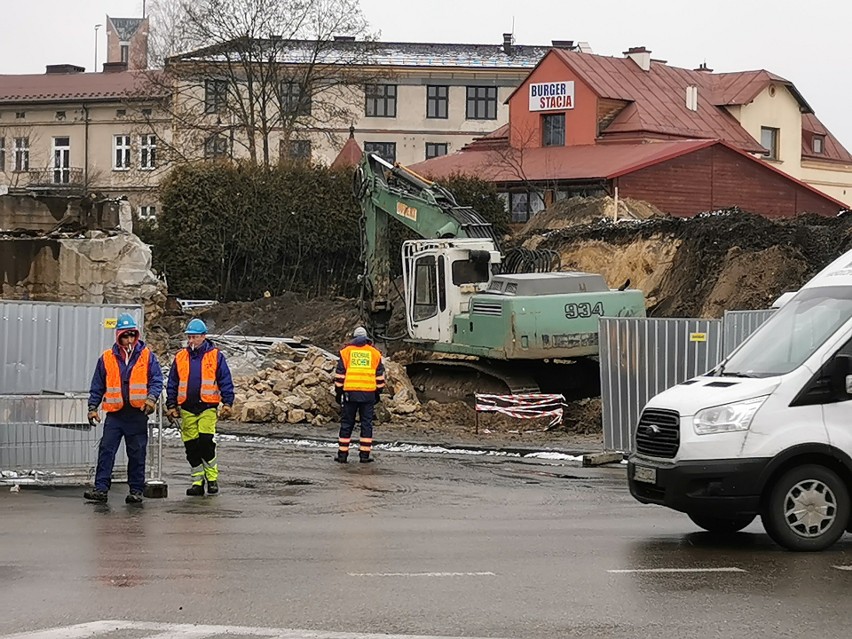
(361, 363)
(138, 392)
(209, 365)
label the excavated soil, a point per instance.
(696, 267)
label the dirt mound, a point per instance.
(697, 267)
(577, 211)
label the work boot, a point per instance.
(341, 458)
(366, 459)
(196, 490)
(135, 497)
(212, 487)
(95, 495)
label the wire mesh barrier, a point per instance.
(47, 440)
(526, 406)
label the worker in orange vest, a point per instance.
(199, 381)
(358, 384)
(127, 383)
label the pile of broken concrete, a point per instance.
(297, 387)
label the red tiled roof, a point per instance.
(832, 150)
(658, 99)
(586, 162)
(350, 155)
(74, 87)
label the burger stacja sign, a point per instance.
(552, 96)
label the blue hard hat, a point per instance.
(196, 327)
(126, 322)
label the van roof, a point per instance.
(838, 273)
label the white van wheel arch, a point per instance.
(807, 509)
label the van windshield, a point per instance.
(793, 334)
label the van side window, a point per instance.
(818, 389)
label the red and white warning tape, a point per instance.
(527, 406)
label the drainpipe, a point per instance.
(86, 150)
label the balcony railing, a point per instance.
(65, 178)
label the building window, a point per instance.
(385, 150)
(380, 100)
(553, 129)
(60, 115)
(148, 152)
(22, 154)
(435, 149)
(216, 146)
(769, 141)
(148, 212)
(121, 155)
(125, 54)
(297, 150)
(437, 102)
(215, 95)
(2, 155)
(61, 160)
(294, 100)
(481, 103)
(524, 205)
(818, 144)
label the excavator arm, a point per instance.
(386, 191)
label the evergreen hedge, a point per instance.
(233, 231)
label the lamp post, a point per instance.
(97, 26)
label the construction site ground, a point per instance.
(696, 267)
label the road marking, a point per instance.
(676, 570)
(422, 574)
(189, 631)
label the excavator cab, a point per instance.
(440, 277)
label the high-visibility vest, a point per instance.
(138, 391)
(209, 365)
(361, 363)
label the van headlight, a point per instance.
(728, 417)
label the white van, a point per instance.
(768, 432)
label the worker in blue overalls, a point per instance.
(127, 382)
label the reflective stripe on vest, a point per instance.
(361, 363)
(209, 366)
(138, 390)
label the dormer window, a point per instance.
(818, 144)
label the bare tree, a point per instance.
(167, 34)
(267, 69)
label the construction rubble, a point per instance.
(297, 387)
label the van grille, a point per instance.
(486, 308)
(658, 433)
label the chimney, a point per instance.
(641, 56)
(704, 68)
(51, 69)
(563, 44)
(692, 97)
(344, 38)
(115, 67)
(508, 41)
(584, 47)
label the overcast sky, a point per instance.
(805, 42)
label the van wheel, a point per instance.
(807, 509)
(722, 525)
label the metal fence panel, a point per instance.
(738, 325)
(641, 357)
(54, 346)
(47, 439)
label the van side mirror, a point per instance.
(841, 376)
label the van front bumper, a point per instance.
(712, 488)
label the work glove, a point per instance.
(338, 395)
(93, 416)
(172, 414)
(149, 406)
(225, 412)
(378, 396)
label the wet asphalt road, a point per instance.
(411, 545)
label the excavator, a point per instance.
(510, 319)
